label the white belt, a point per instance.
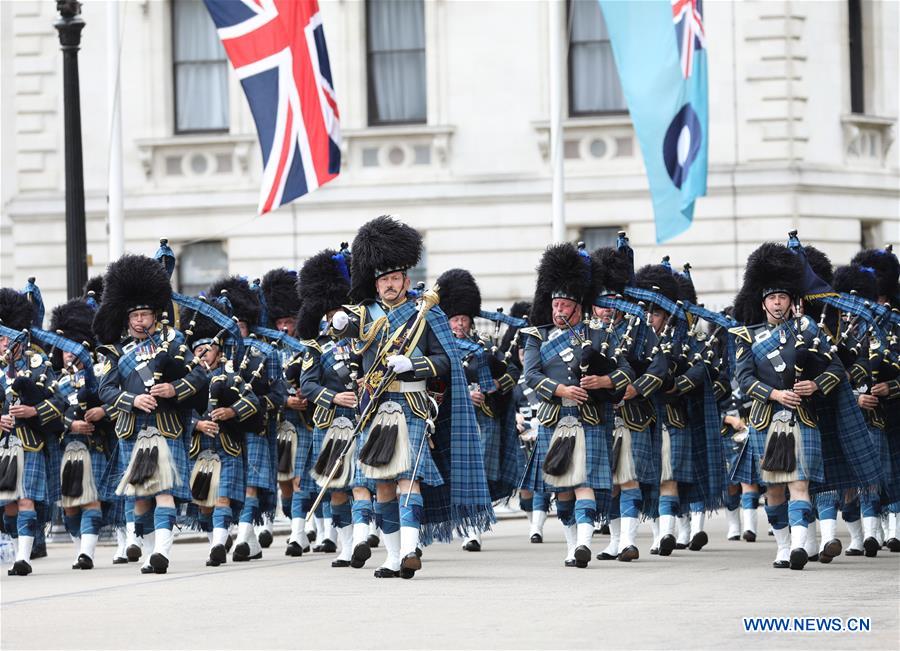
(399, 386)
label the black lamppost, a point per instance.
(69, 27)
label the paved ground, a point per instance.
(511, 595)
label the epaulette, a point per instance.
(357, 310)
(533, 331)
(110, 350)
(741, 332)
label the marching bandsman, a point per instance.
(30, 422)
(439, 489)
(149, 372)
(226, 411)
(329, 377)
(784, 434)
(89, 431)
(461, 302)
(261, 367)
(572, 457)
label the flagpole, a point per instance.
(113, 94)
(556, 9)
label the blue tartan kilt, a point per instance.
(34, 477)
(489, 433)
(598, 473)
(883, 450)
(681, 454)
(731, 453)
(258, 466)
(305, 458)
(231, 475)
(99, 467)
(746, 467)
(645, 452)
(810, 466)
(181, 491)
(53, 461)
(427, 472)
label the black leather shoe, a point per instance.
(733, 538)
(265, 538)
(654, 551)
(385, 573)
(411, 562)
(241, 553)
(293, 549)
(699, 541)
(582, 555)
(472, 546)
(419, 552)
(629, 554)
(229, 542)
(781, 565)
(581, 564)
(211, 563)
(147, 569)
(893, 544)
(871, 546)
(603, 556)
(373, 540)
(666, 545)
(853, 552)
(570, 562)
(159, 563)
(679, 545)
(604, 530)
(218, 554)
(537, 538)
(340, 563)
(19, 568)
(327, 547)
(311, 536)
(799, 558)
(749, 536)
(133, 553)
(38, 551)
(85, 562)
(118, 560)
(814, 558)
(361, 553)
(831, 549)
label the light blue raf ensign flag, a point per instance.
(659, 47)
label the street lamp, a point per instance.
(69, 27)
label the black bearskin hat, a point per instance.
(853, 278)
(322, 287)
(612, 271)
(16, 311)
(95, 285)
(381, 246)
(459, 293)
(131, 282)
(520, 309)
(770, 268)
(660, 276)
(204, 328)
(245, 304)
(819, 263)
(279, 287)
(887, 270)
(562, 273)
(686, 290)
(73, 321)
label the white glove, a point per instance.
(399, 363)
(535, 424)
(340, 320)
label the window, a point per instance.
(396, 61)
(857, 70)
(594, 238)
(199, 265)
(594, 86)
(200, 70)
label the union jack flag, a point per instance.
(688, 18)
(277, 48)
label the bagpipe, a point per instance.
(604, 361)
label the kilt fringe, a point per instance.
(286, 439)
(151, 469)
(337, 438)
(386, 451)
(623, 459)
(12, 471)
(566, 460)
(205, 478)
